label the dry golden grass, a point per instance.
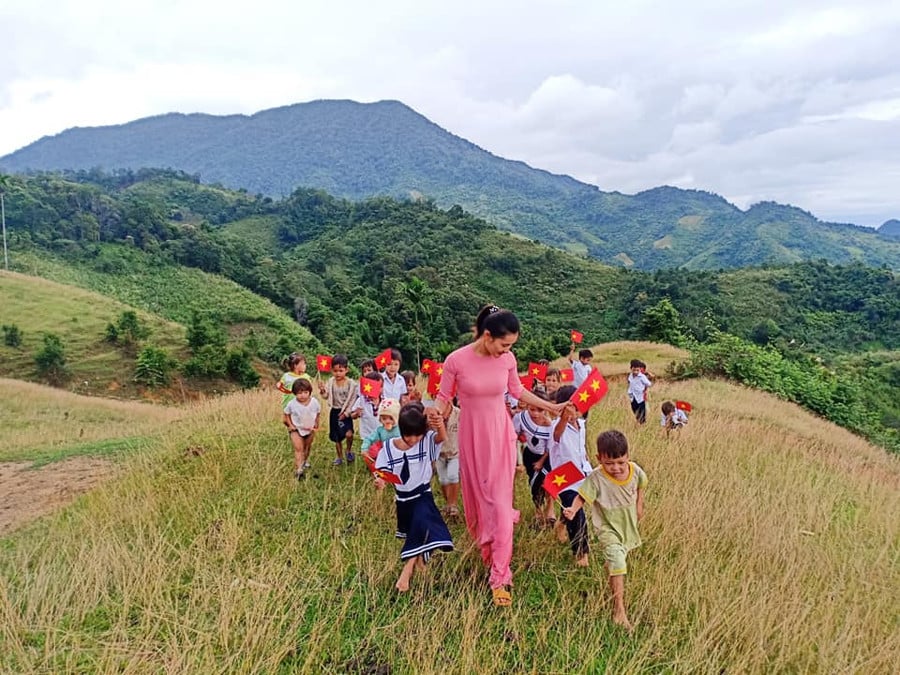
(38, 419)
(771, 545)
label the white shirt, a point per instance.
(368, 420)
(303, 416)
(536, 435)
(679, 418)
(394, 389)
(580, 372)
(420, 457)
(637, 386)
(569, 448)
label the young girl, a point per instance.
(296, 367)
(388, 412)
(532, 427)
(410, 457)
(412, 391)
(340, 392)
(301, 417)
(567, 444)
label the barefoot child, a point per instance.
(301, 417)
(447, 464)
(410, 457)
(567, 444)
(341, 393)
(616, 496)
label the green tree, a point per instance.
(418, 294)
(661, 323)
(153, 367)
(51, 360)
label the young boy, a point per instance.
(532, 427)
(394, 385)
(581, 367)
(301, 417)
(672, 418)
(616, 496)
(567, 444)
(341, 394)
(638, 384)
(447, 464)
(366, 406)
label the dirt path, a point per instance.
(26, 494)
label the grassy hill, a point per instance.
(752, 559)
(79, 317)
(358, 151)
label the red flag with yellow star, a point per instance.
(388, 477)
(537, 371)
(434, 378)
(428, 366)
(323, 363)
(527, 381)
(566, 375)
(383, 359)
(590, 392)
(562, 478)
(576, 336)
(370, 388)
(683, 405)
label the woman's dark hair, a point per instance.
(412, 420)
(564, 393)
(498, 322)
(612, 444)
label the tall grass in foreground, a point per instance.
(771, 545)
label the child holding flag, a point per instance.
(616, 495)
(394, 384)
(674, 416)
(366, 406)
(341, 393)
(567, 445)
(407, 462)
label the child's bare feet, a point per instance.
(582, 561)
(420, 565)
(402, 584)
(621, 619)
(561, 534)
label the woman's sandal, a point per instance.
(502, 597)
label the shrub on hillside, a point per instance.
(207, 361)
(154, 367)
(240, 368)
(51, 360)
(12, 336)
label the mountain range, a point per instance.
(357, 150)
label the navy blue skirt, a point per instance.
(425, 530)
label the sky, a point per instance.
(795, 102)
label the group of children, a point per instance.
(405, 441)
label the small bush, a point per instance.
(12, 336)
(154, 367)
(240, 369)
(51, 360)
(207, 361)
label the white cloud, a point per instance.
(797, 101)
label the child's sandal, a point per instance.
(502, 597)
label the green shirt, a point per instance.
(614, 505)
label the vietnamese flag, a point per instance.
(683, 405)
(562, 478)
(590, 392)
(527, 381)
(388, 477)
(566, 375)
(383, 359)
(434, 378)
(537, 371)
(576, 336)
(428, 367)
(371, 455)
(370, 388)
(323, 363)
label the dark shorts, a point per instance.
(639, 410)
(337, 429)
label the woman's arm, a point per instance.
(531, 399)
